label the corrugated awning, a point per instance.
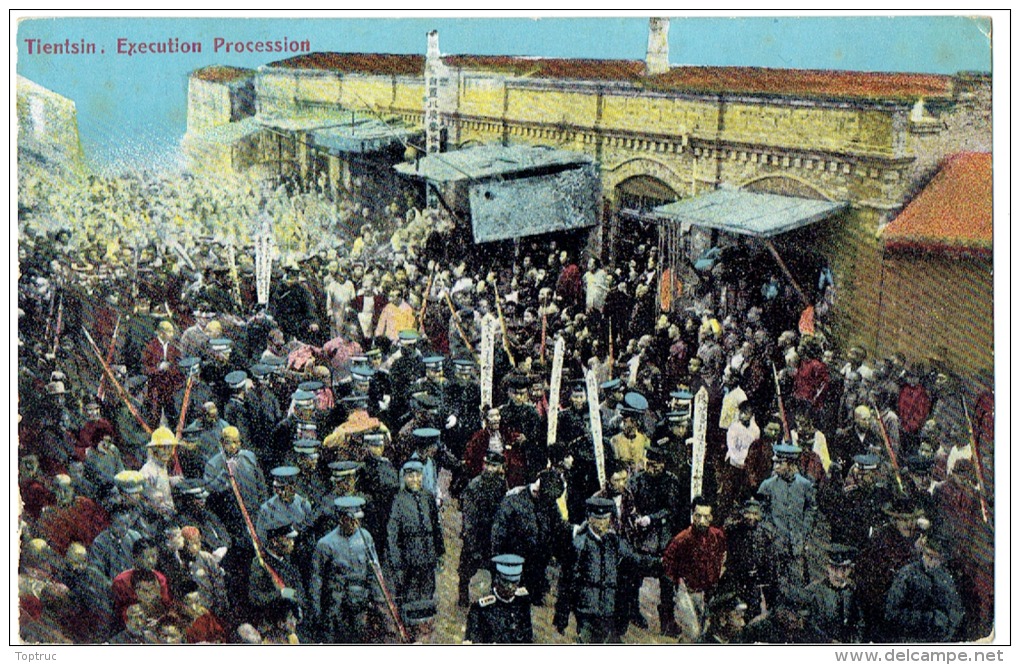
(953, 214)
(307, 122)
(749, 213)
(491, 161)
(231, 132)
(363, 136)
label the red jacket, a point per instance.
(478, 445)
(80, 522)
(124, 592)
(913, 407)
(162, 383)
(696, 558)
(810, 381)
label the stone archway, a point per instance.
(787, 185)
(614, 176)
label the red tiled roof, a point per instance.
(805, 82)
(222, 73)
(747, 80)
(953, 213)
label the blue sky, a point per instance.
(133, 109)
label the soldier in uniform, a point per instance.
(479, 503)
(835, 610)
(504, 616)
(415, 539)
(286, 506)
(599, 554)
(923, 604)
(201, 439)
(264, 587)
(857, 510)
(301, 424)
(790, 512)
(190, 499)
(237, 410)
(574, 432)
(345, 594)
(407, 368)
(657, 494)
(379, 483)
(520, 415)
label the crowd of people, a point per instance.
(197, 466)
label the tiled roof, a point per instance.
(222, 73)
(953, 213)
(745, 80)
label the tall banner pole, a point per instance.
(488, 342)
(595, 415)
(700, 441)
(555, 381)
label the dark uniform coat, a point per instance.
(492, 620)
(923, 605)
(415, 539)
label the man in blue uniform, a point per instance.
(790, 511)
(286, 506)
(504, 616)
(345, 595)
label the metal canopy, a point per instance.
(362, 135)
(749, 213)
(308, 121)
(490, 161)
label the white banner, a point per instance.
(487, 361)
(595, 415)
(554, 390)
(263, 261)
(700, 432)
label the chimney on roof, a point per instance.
(657, 58)
(432, 53)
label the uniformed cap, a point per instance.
(189, 364)
(840, 555)
(674, 417)
(630, 413)
(220, 343)
(311, 386)
(509, 566)
(374, 438)
(463, 364)
(352, 506)
(786, 451)
(284, 475)
(433, 362)
(282, 531)
(193, 487)
(920, 463)
(360, 359)
(681, 395)
(274, 362)
(412, 466)
(635, 402)
(305, 430)
(162, 436)
(129, 482)
(611, 384)
(373, 353)
(578, 388)
(426, 435)
(344, 468)
(600, 507)
(425, 401)
(655, 454)
(518, 382)
(303, 397)
(307, 446)
(495, 457)
(407, 336)
(356, 401)
(258, 370)
(362, 373)
(752, 504)
(236, 378)
(866, 462)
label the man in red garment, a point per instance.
(160, 361)
(493, 438)
(93, 431)
(145, 554)
(71, 519)
(694, 559)
(913, 407)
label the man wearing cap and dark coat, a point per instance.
(345, 595)
(479, 503)
(379, 483)
(286, 506)
(657, 494)
(237, 410)
(791, 511)
(574, 432)
(504, 616)
(835, 610)
(190, 496)
(406, 368)
(520, 415)
(923, 604)
(200, 440)
(264, 586)
(857, 511)
(749, 571)
(414, 538)
(599, 552)
(293, 306)
(529, 523)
